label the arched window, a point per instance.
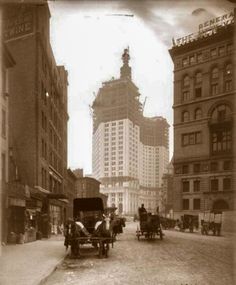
(221, 112)
(220, 205)
(214, 73)
(186, 81)
(198, 114)
(198, 78)
(185, 116)
(228, 69)
(228, 77)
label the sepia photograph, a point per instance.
(117, 127)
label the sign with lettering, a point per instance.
(18, 26)
(218, 21)
(206, 29)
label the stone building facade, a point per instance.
(204, 116)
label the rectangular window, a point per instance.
(227, 184)
(192, 138)
(198, 92)
(186, 187)
(198, 137)
(229, 48)
(214, 185)
(196, 204)
(227, 165)
(214, 89)
(221, 50)
(185, 204)
(199, 57)
(213, 52)
(221, 141)
(192, 59)
(185, 139)
(186, 95)
(185, 169)
(185, 61)
(214, 166)
(228, 85)
(196, 167)
(4, 123)
(196, 185)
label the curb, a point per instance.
(49, 272)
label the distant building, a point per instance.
(204, 116)
(88, 187)
(130, 151)
(71, 191)
(79, 172)
(37, 116)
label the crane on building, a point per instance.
(144, 103)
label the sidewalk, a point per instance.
(30, 263)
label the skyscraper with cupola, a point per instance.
(130, 151)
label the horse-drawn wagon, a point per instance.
(149, 226)
(89, 226)
(211, 222)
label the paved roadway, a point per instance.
(180, 259)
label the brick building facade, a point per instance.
(37, 113)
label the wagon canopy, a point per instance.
(87, 204)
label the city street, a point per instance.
(180, 258)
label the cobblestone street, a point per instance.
(181, 258)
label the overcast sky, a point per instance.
(89, 37)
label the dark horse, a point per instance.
(71, 233)
(117, 225)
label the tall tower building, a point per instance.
(129, 151)
(204, 111)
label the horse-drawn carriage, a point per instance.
(149, 226)
(89, 226)
(188, 222)
(211, 222)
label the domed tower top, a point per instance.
(125, 70)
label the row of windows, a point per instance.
(214, 74)
(185, 117)
(196, 204)
(191, 138)
(220, 113)
(214, 185)
(198, 57)
(214, 85)
(113, 123)
(106, 174)
(198, 167)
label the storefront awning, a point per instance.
(57, 196)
